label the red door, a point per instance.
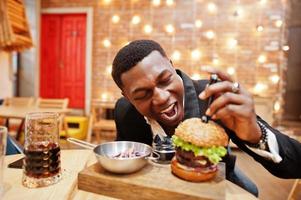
(63, 47)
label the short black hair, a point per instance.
(131, 54)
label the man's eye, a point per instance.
(166, 80)
(142, 96)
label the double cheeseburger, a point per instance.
(199, 148)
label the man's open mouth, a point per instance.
(170, 113)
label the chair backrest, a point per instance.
(19, 101)
(52, 103)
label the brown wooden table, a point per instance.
(73, 161)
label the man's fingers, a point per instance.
(222, 75)
(231, 110)
(219, 87)
(223, 100)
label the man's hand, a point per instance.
(235, 110)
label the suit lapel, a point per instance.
(191, 105)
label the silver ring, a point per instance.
(235, 87)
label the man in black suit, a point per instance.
(157, 98)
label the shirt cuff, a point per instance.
(273, 153)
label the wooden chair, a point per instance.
(19, 101)
(52, 103)
(293, 193)
(16, 125)
(103, 128)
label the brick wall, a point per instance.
(230, 21)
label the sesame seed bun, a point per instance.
(195, 131)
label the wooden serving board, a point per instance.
(154, 181)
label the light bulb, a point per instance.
(259, 88)
(198, 23)
(262, 2)
(148, 28)
(275, 78)
(156, 2)
(169, 28)
(215, 61)
(104, 96)
(238, 12)
(106, 43)
(209, 34)
(107, 1)
(109, 69)
(169, 2)
(212, 8)
(277, 106)
(176, 55)
(259, 28)
(285, 48)
(278, 23)
(135, 19)
(232, 43)
(115, 19)
(231, 70)
(196, 76)
(261, 58)
(195, 54)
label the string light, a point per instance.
(198, 23)
(261, 59)
(169, 2)
(115, 19)
(156, 2)
(176, 55)
(212, 8)
(275, 78)
(232, 43)
(231, 70)
(259, 28)
(109, 69)
(105, 96)
(238, 12)
(135, 19)
(148, 29)
(196, 76)
(106, 43)
(285, 48)
(215, 60)
(278, 23)
(196, 54)
(169, 28)
(259, 88)
(262, 2)
(209, 34)
(277, 106)
(107, 1)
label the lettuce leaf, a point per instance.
(214, 154)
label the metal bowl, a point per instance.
(106, 151)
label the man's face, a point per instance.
(155, 89)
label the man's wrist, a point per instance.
(263, 141)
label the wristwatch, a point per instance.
(263, 142)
